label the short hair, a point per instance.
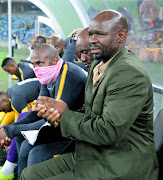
(2, 93)
(7, 61)
(48, 49)
(43, 39)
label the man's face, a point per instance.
(84, 52)
(36, 43)
(104, 42)
(5, 105)
(39, 59)
(58, 45)
(11, 69)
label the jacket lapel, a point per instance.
(89, 85)
(94, 90)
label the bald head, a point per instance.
(107, 34)
(58, 43)
(46, 50)
(83, 48)
(83, 36)
(112, 20)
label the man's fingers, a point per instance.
(2, 143)
(39, 102)
(56, 124)
(45, 98)
(53, 116)
(41, 112)
(48, 113)
(54, 119)
(38, 108)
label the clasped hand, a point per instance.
(4, 140)
(50, 109)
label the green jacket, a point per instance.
(115, 134)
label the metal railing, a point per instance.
(158, 99)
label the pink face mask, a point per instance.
(49, 73)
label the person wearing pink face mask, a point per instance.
(60, 80)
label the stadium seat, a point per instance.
(17, 29)
(158, 139)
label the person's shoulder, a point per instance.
(26, 65)
(29, 81)
(9, 91)
(73, 72)
(75, 69)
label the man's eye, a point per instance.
(99, 34)
(39, 63)
(85, 52)
(90, 34)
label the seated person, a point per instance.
(38, 41)
(83, 52)
(58, 43)
(18, 98)
(22, 70)
(71, 53)
(60, 80)
(42, 152)
(114, 135)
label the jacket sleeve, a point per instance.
(70, 87)
(69, 53)
(13, 129)
(44, 91)
(113, 112)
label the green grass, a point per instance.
(155, 72)
(19, 54)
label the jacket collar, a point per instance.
(95, 62)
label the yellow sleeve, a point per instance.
(2, 115)
(28, 107)
(9, 118)
(16, 115)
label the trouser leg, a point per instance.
(23, 156)
(60, 166)
(12, 154)
(69, 175)
(44, 152)
(19, 139)
(25, 127)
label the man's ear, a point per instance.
(64, 46)
(55, 60)
(122, 36)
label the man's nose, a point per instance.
(93, 39)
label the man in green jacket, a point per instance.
(114, 135)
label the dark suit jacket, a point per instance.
(114, 137)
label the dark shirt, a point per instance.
(69, 55)
(25, 71)
(23, 93)
(68, 87)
